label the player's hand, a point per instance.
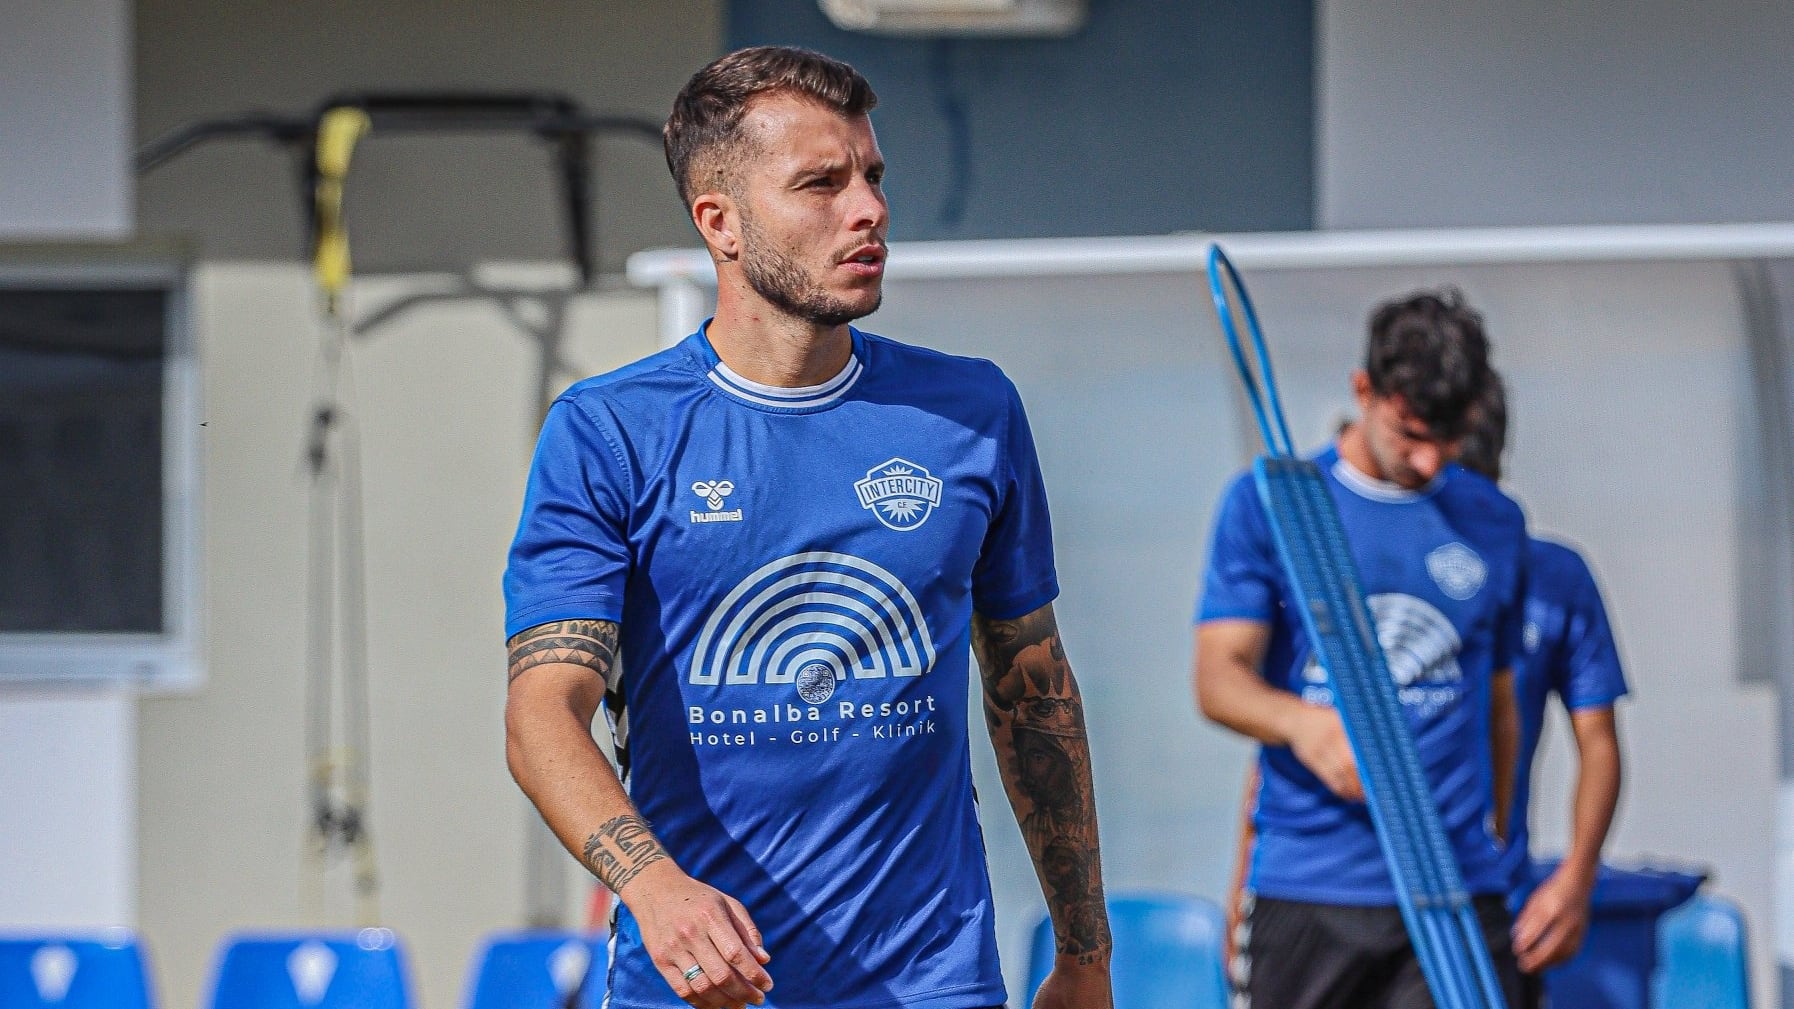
(686, 923)
(1319, 742)
(1554, 921)
(1076, 986)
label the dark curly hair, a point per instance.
(1429, 349)
(704, 128)
(1486, 438)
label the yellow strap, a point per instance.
(338, 131)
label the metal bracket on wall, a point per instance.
(556, 119)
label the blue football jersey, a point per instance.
(795, 572)
(1443, 571)
(1568, 651)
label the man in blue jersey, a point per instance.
(1569, 652)
(1441, 552)
(769, 553)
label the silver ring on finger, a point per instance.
(693, 971)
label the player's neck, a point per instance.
(764, 345)
(1356, 452)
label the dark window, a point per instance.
(81, 529)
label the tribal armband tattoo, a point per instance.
(588, 643)
(620, 850)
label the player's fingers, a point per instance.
(740, 957)
(684, 986)
(1530, 926)
(744, 925)
(726, 984)
(1542, 952)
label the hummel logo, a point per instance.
(713, 492)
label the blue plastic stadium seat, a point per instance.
(102, 970)
(538, 970)
(312, 970)
(1701, 959)
(1167, 952)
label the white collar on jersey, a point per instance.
(1366, 486)
(733, 383)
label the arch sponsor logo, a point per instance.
(1420, 647)
(813, 620)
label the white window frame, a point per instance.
(173, 659)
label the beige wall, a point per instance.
(447, 416)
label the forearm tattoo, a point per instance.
(621, 849)
(588, 643)
(1036, 719)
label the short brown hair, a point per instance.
(707, 114)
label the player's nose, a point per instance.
(867, 209)
(1427, 461)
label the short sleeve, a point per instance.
(1594, 678)
(1510, 620)
(1244, 577)
(570, 558)
(1014, 575)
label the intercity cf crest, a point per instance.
(900, 493)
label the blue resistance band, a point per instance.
(1311, 543)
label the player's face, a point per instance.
(1406, 452)
(813, 213)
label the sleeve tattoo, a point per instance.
(588, 643)
(621, 849)
(1036, 719)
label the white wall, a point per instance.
(65, 119)
(68, 785)
(1459, 112)
(69, 795)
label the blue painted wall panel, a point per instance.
(1159, 116)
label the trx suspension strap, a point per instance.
(336, 636)
(1316, 558)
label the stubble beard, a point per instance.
(781, 281)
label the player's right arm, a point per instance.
(558, 673)
(1231, 692)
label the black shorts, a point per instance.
(1297, 955)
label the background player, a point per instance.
(1442, 554)
(767, 552)
(1568, 653)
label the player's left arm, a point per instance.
(1504, 744)
(1552, 925)
(1036, 719)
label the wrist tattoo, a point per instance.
(621, 849)
(588, 643)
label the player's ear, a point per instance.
(718, 220)
(1361, 390)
